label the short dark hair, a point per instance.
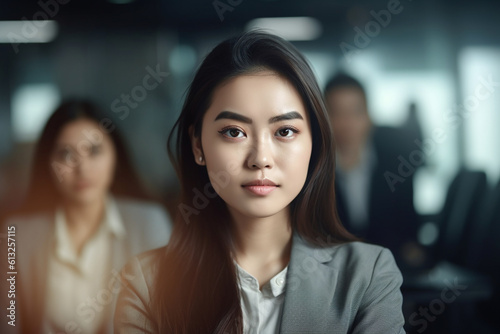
(343, 80)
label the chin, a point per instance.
(262, 211)
(85, 197)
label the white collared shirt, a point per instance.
(77, 294)
(261, 309)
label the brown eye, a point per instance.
(287, 132)
(232, 133)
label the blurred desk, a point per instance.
(444, 287)
(425, 285)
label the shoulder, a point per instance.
(140, 270)
(359, 260)
(358, 283)
(133, 304)
(138, 276)
(352, 261)
(354, 253)
(31, 237)
(362, 255)
(363, 262)
(30, 226)
(368, 271)
(372, 282)
(32, 218)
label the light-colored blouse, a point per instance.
(261, 308)
(77, 297)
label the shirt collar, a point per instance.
(276, 286)
(278, 282)
(63, 248)
(112, 222)
(113, 218)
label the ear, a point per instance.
(199, 158)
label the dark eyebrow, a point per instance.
(287, 116)
(233, 115)
(241, 118)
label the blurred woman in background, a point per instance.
(85, 215)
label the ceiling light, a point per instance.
(289, 28)
(25, 31)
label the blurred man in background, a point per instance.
(368, 205)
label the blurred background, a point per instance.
(430, 69)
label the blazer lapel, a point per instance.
(310, 288)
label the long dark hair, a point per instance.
(42, 195)
(195, 289)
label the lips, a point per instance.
(82, 185)
(260, 187)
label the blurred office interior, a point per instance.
(430, 68)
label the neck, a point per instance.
(86, 214)
(83, 219)
(262, 246)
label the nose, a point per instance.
(82, 166)
(261, 155)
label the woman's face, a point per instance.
(256, 144)
(83, 162)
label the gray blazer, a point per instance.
(147, 226)
(348, 288)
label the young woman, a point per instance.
(257, 246)
(76, 229)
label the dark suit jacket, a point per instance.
(349, 288)
(147, 226)
(392, 220)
